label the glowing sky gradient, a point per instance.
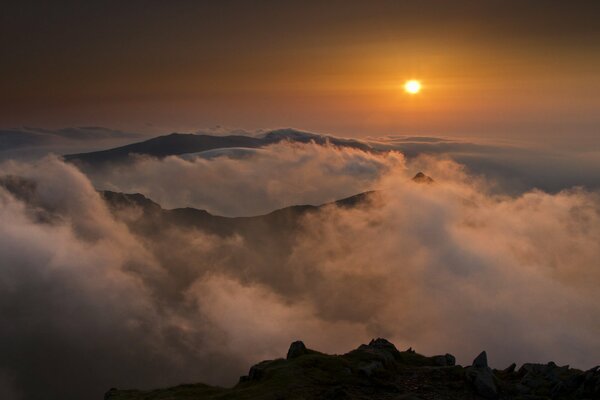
(516, 70)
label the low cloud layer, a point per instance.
(265, 179)
(34, 143)
(514, 168)
(88, 304)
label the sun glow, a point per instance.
(412, 86)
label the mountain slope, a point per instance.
(153, 218)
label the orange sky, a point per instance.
(496, 69)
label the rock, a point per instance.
(111, 393)
(481, 360)
(546, 378)
(483, 381)
(510, 369)
(382, 344)
(380, 350)
(482, 377)
(296, 349)
(450, 360)
(370, 368)
(447, 360)
(557, 390)
(257, 371)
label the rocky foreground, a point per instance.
(380, 371)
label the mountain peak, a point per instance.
(422, 178)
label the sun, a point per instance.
(413, 86)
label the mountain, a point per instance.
(378, 370)
(153, 219)
(178, 143)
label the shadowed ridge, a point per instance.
(122, 200)
(146, 217)
(180, 143)
(162, 146)
(379, 371)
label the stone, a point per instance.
(483, 382)
(370, 368)
(482, 377)
(481, 360)
(296, 349)
(510, 369)
(447, 360)
(383, 344)
(257, 371)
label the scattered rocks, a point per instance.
(379, 371)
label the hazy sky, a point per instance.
(518, 70)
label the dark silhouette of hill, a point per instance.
(276, 223)
(178, 143)
(380, 371)
(154, 218)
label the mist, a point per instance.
(89, 303)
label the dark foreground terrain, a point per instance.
(379, 371)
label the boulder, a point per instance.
(381, 350)
(383, 344)
(482, 377)
(510, 369)
(296, 349)
(481, 360)
(370, 368)
(447, 360)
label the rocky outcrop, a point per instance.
(379, 370)
(296, 349)
(482, 377)
(446, 360)
(550, 381)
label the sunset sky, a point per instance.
(502, 70)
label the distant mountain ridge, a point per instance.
(277, 223)
(179, 143)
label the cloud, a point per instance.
(270, 178)
(514, 168)
(447, 266)
(33, 143)
(90, 303)
(278, 176)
